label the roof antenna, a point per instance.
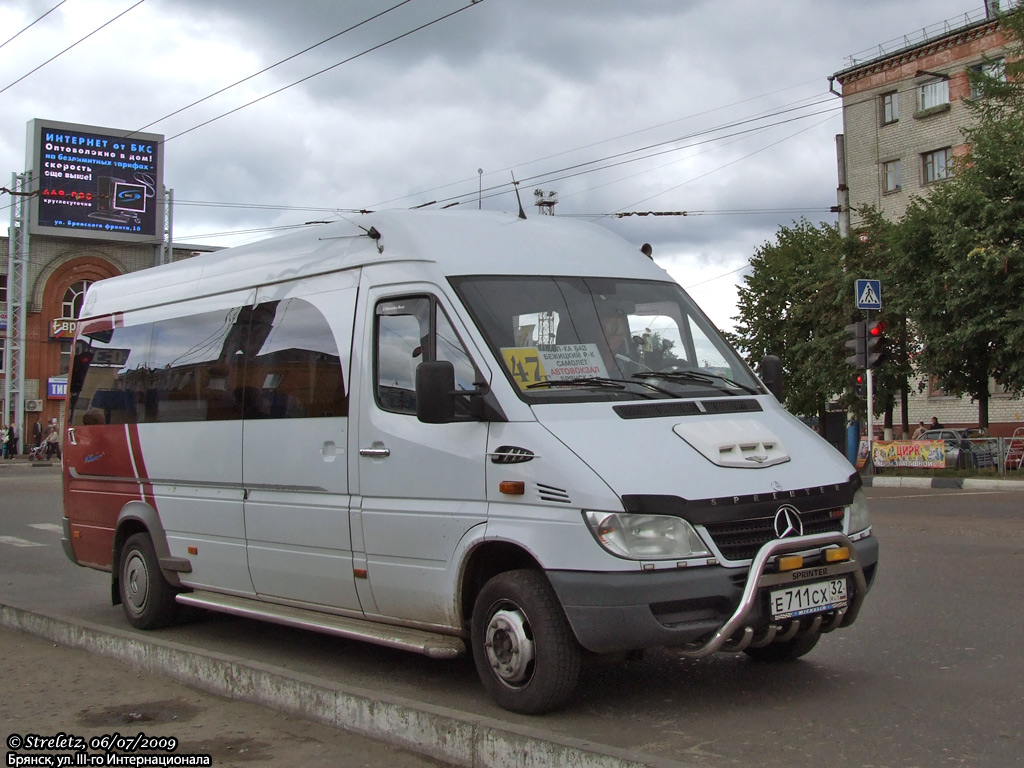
(374, 234)
(522, 213)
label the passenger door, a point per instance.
(420, 486)
(295, 432)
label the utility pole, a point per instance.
(842, 191)
(545, 201)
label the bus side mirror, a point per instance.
(435, 392)
(772, 376)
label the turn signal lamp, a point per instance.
(791, 562)
(512, 487)
(837, 554)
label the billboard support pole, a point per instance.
(166, 254)
(17, 300)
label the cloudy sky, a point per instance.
(720, 108)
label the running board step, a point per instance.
(434, 645)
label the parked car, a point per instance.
(965, 448)
(958, 448)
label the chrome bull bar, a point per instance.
(735, 634)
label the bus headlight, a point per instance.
(858, 511)
(645, 537)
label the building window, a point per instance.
(934, 94)
(73, 298)
(995, 69)
(937, 165)
(71, 306)
(3, 289)
(890, 108)
(893, 176)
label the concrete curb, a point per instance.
(445, 734)
(967, 483)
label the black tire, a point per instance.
(524, 649)
(791, 650)
(147, 598)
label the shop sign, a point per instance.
(56, 387)
(62, 327)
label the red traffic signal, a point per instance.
(877, 351)
(858, 383)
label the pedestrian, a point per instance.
(53, 441)
(12, 441)
(935, 423)
(3, 441)
(921, 429)
(37, 434)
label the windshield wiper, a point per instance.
(600, 382)
(700, 376)
(579, 381)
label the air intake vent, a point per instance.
(657, 410)
(550, 493)
(511, 454)
(730, 406)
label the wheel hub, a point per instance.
(509, 648)
(136, 583)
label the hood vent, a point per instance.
(738, 443)
(550, 493)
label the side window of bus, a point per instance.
(409, 331)
(277, 360)
(108, 376)
(292, 364)
(193, 366)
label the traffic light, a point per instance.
(857, 344)
(858, 383)
(877, 345)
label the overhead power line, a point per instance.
(56, 56)
(272, 66)
(23, 29)
(326, 69)
(623, 158)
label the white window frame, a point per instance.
(934, 93)
(936, 165)
(995, 68)
(892, 176)
(890, 107)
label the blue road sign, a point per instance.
(868, 294)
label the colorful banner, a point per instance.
(922, 454)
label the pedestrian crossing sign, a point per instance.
(868, 294)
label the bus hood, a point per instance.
(696, 456)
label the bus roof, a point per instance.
(446, 243)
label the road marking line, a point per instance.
(14, 541)
(52, 527)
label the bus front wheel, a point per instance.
(524, 649)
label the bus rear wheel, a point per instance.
(146, 596)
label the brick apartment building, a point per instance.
(903, 110)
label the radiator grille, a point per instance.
(741, 539)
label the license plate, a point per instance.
(803, 599)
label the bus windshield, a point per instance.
(585, 338)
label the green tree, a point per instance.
(789, 306)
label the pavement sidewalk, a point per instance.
(51, 689)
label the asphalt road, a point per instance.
(932, 674)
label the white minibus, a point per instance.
(445, 431)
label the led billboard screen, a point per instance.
(93, 182)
